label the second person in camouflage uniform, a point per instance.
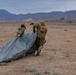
(21, 30)
(41, 34)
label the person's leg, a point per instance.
(40, 46)
(41, 43)
(37, 45)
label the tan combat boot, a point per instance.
(39, 51)
(24, 55)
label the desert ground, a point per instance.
(58, 56)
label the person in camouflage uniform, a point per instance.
(41, 33)
(21, 30)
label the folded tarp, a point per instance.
(17, 47)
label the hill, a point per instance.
(7, 16)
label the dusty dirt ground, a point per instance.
(58, 57)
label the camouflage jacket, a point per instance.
(40, 34)
(21, 31)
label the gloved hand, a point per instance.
(34, 31)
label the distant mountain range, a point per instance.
(7, 16)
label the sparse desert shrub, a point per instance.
(62, 18)
(37, 73)
(75, 68)
(46, 72)
(3, 64)
(70, 21)
(65, 30)
(30, 70)
(57, 74)
(51, 58)
(53, 49)
(67, 55)
(68, 41)
(8, 74)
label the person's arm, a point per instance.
(25, 27)
(17, 32)
(35, 26)
(46, 30)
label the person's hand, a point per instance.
(34, 31)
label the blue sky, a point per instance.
(34, 6)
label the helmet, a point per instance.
(42, 23)
(22, 25)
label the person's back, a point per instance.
(41, 30)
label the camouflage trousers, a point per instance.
(39, 42)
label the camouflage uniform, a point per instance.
(41, 33)
(21, 31)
